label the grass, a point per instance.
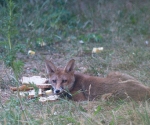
(121, 27)
(66, 112)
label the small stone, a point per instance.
(146, 42)
(81, 41)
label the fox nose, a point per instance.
(57, 91)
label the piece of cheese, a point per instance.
(97, 50)
(30, 52)
(49, 92)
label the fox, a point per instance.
(82, 87)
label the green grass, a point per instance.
(121, 27)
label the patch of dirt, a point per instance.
(35, 65)
(4, 95)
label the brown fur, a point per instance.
(84, 87)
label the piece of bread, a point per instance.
(31, 93)
(21, 88)
(37, 80)
(49, 98)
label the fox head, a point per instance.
(61, 79)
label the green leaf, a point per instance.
(97, 110)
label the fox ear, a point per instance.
(50, 67)
(70, 66)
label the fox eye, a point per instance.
(64, 81)
(54, 81)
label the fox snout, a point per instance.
(57, 90)
(56, 87)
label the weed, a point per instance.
(9, 32)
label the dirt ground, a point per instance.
(111, 59)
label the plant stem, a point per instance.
(9, 26)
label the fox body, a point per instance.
(84, 87)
